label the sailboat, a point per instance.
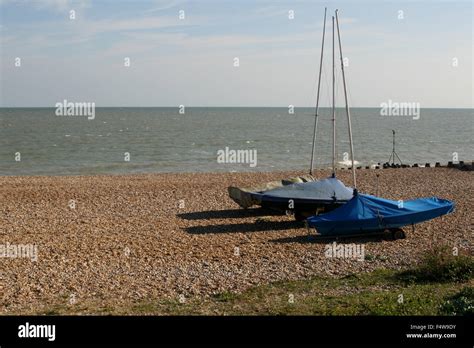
(307, 198)
(365, 214)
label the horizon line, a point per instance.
(245, 106)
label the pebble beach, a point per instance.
(110, 240)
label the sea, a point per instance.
(36, 141)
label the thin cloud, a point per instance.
(50, 5)
(163, 5)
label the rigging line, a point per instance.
(325, 116)
(324, 141)
(317, 97)
(355, 121)
(347, 104)
(336, 83)
(328, 89)
(333, 103)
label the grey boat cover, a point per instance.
(325, 190)
(243, 195)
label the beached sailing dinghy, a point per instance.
(305, 197)
(246, 198)
(365, 214)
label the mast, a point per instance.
(349, 127)
(317, 97)
(333, 105)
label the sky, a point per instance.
(404, 51)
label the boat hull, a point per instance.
(368, 214)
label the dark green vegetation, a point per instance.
(461, 303)
(441, 265)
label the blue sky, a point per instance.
(190, 61)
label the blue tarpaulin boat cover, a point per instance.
(365, 213)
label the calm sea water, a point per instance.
(162, 140)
